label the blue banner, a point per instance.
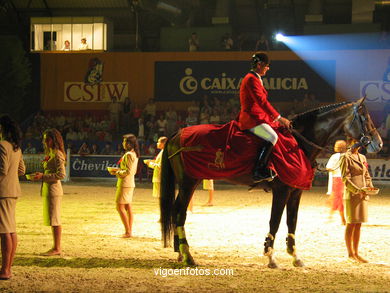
(285, 81)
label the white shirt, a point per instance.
(83, 46)
(334, 164)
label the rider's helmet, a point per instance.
(259, 57)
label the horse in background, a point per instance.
(313, 130)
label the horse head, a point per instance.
(360, 126)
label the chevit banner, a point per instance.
(285, 81)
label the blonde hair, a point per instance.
(340, 146)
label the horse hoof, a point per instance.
(298, 263)
(189, 261)
(272, 265)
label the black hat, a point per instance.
(259, 57)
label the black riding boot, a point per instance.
(261, 172)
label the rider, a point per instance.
(257, 113)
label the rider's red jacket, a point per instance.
(255, 108)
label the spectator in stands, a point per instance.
(66, 46)
(262, 44)
(192, 119)
(30, 149)
(84, 150)
(194, 108)
(180, 123)
(227, 42)
(141, 129)
(151, 150)
(83, 44)
(225, 115)
(115, 109)
(161, 124)
(126, 113)
(151, 130)
(215, 118)
(193, 43)
(71, 135)
(107, 150)
(204, 116)
(150, 109)
(205, 104)
(119, 150)
(94, 149)
(171, 117)
(137, 111)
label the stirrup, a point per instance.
(259, 178)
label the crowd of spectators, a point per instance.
(100, 132)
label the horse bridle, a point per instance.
(362, 122)
(363, 129)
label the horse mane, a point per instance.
(310, 114)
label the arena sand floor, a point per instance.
(226, 241)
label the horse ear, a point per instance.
(361, 100)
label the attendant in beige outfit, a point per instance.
(11, 166)
(354, 171)
(54, 172)
(156, 166)
(126, 183)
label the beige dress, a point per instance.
(354, 171)
(54, 171)
(126, 183)
(11, 166)
(156, 166)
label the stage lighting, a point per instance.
(280, 37)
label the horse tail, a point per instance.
(167, 197)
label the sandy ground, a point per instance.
(226, 242)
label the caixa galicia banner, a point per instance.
(92, 166)
(285, 81)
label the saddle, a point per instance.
(224, 151)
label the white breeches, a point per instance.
(265, 132)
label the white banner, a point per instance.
(379, 169)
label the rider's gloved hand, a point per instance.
(285, 122)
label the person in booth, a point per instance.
(257, 114)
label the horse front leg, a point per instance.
(279, 198)
(292, 218)
(180, 214)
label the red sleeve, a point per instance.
(259, 95)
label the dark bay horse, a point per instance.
(313, 130)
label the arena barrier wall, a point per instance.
(95, 166)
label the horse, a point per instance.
(313, 130)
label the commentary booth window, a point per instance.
(70, 34)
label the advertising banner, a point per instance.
(379, 170)
(285, 81)
(92, 166)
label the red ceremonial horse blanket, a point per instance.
(222, 151)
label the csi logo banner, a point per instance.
(78, 92)
(285, 81)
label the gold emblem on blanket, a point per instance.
(218, 162)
